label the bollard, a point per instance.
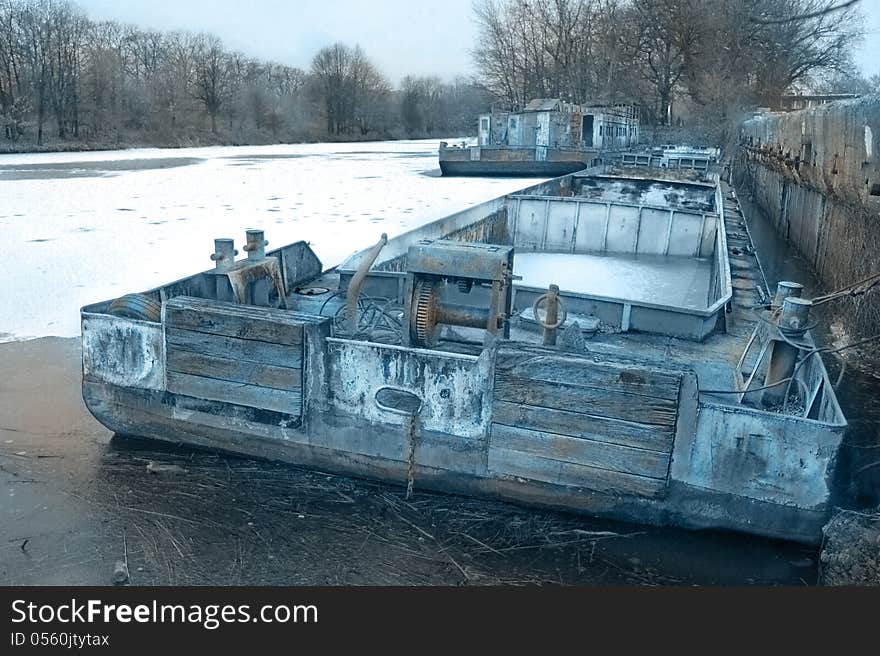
(792, 323)
(224, 254)
(795, 315)
(223, 257)
(256, 252)
(552, 316)
(784, 289)
(256, 245)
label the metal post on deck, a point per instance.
(223, 257)
(256, 245)
(792, 324)
(256, 252)
(784, 289)
(224, 254)
(552, 316)
(551, 320)
(795, 315)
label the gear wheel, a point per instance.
(423, 329)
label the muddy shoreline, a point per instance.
(75, 498)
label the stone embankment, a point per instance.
(816, 174)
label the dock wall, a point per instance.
(816, 174)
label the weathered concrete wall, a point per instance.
(816, 173)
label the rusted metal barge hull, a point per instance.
(621, 421)
(506, 162)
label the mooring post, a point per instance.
(784, 289)
(223, 257)
(792, 323)
(256, 245)
(795, 315)
(552, 316)
(224, 254)
(256, 252)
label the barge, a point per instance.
(601, 343)
(548, 138)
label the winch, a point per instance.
(442, 274)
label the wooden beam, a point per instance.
(238, 393)
(253, 373)
(594, 401)
(506, 462)
(602, 455)
(234, 348)
(231, 320)
(587, 373)
(576, 424)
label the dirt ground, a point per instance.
(74, 499)
(851, 549)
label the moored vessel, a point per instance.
(601, 342)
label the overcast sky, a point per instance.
(419, 37)
(402, 37)
(868, 57)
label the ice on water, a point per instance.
(84, 227)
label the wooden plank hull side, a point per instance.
(576, 421)
(235, 353)
(330, 443)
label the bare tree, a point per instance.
(36, 31)
(370, 94)
(331, 69)
(13, 94)
(657, 52)
(350, 88)
(570, 49)
(423, 105)
(211, 80)
(789, 52)
(664, 37)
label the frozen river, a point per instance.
(84, 227)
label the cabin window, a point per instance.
(513, 123)
(484, 124)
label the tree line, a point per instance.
(68, 80)
(706, 59)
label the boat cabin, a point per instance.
(554, 123)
